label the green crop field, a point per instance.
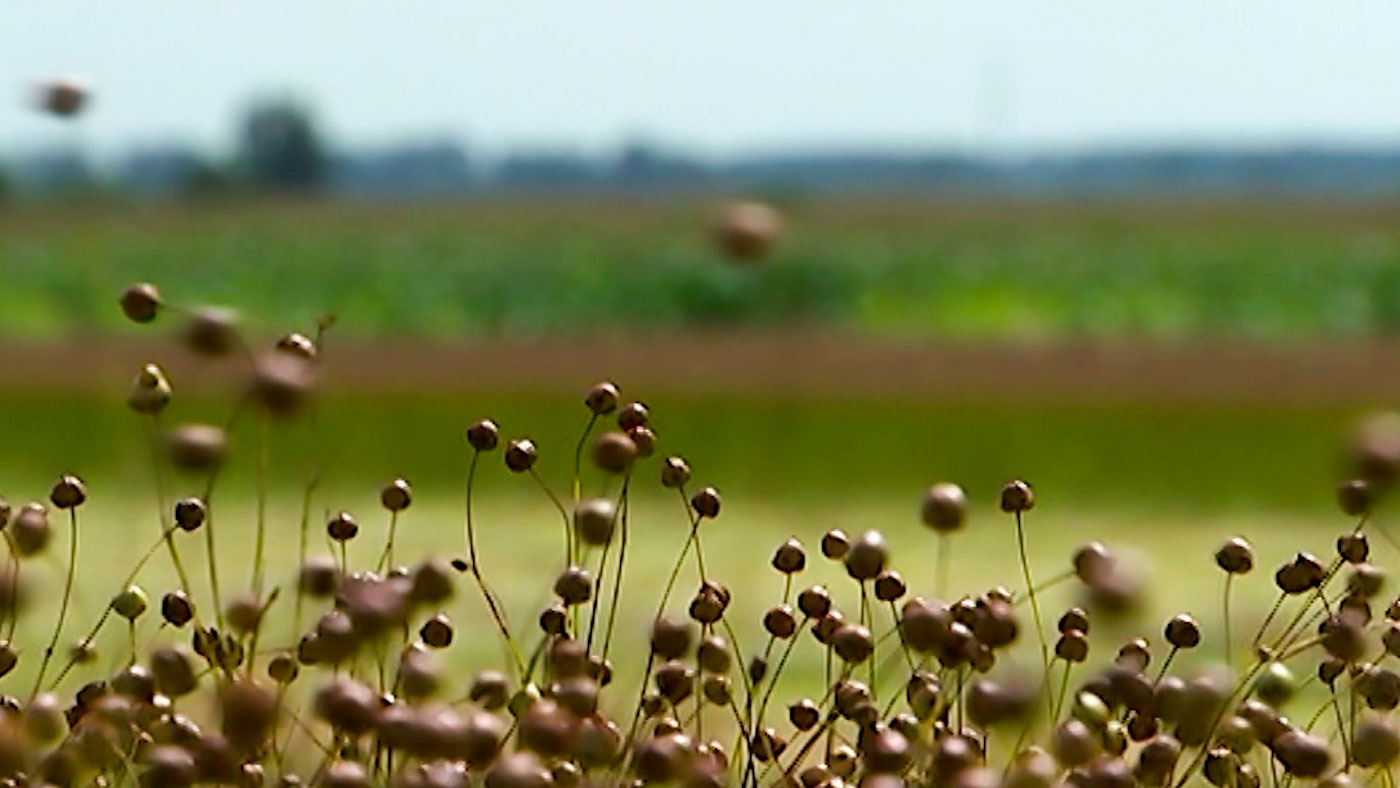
(921, 269)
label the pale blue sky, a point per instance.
(721, 76)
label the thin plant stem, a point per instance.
(944, 557)
(158, 474)
(1229, 660)
(475, 565)
(259, 542)
(563, 513)
(578, 457)
(62, 605)
(386, 558)
(1035, 609)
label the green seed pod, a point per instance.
(150, 391)
(130, 604)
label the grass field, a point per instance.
(927, 269)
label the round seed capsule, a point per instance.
(140, 302)
(521, 455)
(789, 558)
(342, 527)
(675, 472)
(396, 495)
(814, 602)
(633, 414)
(889, 586)
(706, 502)
(483, 435)
(1353, 548)
(1183, 632)
(150, 391)
(574, 586)
(211, 331)
(1017, 496)
(746, 231)
(867, 556)
(944, 508)
(437, 631)
(196, 447)
(68, 492)
(614, 452)
(131, 603)
(601, 399)
(780, 622)
(30, 530)
(176, 609)
(190, 514)
(283, 669)
(595, 520)
(835, 543)
(1354, 497)
(297, 345)
(1236, 556)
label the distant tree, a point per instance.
(282, 148)
(206, 179)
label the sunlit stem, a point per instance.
(1035, 611)
(62, 605)
(475, 566)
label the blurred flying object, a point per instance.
(746, 231)
(62, 97)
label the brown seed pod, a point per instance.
(670, 639)
(1355, 497)
(567, 657)
(1375, 743)
(9, 658)
(1017, 496)
(1353, 547)
(1301, 574)
(521, 455)
(780, 622)
(342, 527)
(674, 681)
(706, 502)
(835, 544)
(789, 558)
(1236, 556)
(889, 586)
(1302, 755)
(1365, 581)
(717, 690)
(176, 608)
(644, 439)
(746, 231)
(853, 643)
(490, 689)
(814, 601)
(30, 530)
(675, 472)
(190, 514)
(396, 495)
(1183, 632)
(944, 507)
(713, 655)
(1076, 619)
(574, 586)
(344, 774)
(758, 669)
(886, 752)
(804, 714)
(1073, 744)
(601, 398)
(347, 704)
(173, 671)
(1157, 759)
(140, 302)
(1072, 646)
(168, 766)
(1093, 563)
(243, 612)
(283, 669)
(437, 631)
(867, 556)
(319, 576)
(68, 492)
(554, 620)
(282, 382)
(483, 435)
(150, 391)
(614, 452)
(196, 447)
(594, 521)
(633, 414)
(430, 582)
(211, 331)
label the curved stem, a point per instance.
(475, 566)
(1035, 611)
(63, 605)
(261, 482)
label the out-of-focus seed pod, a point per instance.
(670, 639)
(614, 452)
(780, 622)
(30, 530)
(1073, 744)
(1236, 556)
(9, 658)
(483, 435)
(601, 398)
(283, 669)
(347, 704)
(297, 345)
(521, 455)
(944, 507)
(1275, 684)
(1365, 581)
(746, 231)
(867, 556)
(595, 520)
(196, 447)
(140, 302)
(853, 643)
(574, 586)
(1375, 743)
(491, 689)
(168, 766)
(717, 690)
(1093, 564)
(63, 98)
(706, 503)
(1353, 547)
(1017, 496)
(344, 774)
(890, 586)
(211, 331)
(674, 681)
(43, 718)
(243, 612)
(396, 495)
(644, 439)
(173, 671)
(633, 414)
(1072, 646)
(319, 576)
(282, 382)
(1302, 754)
(1355, 497)
(675, 472)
